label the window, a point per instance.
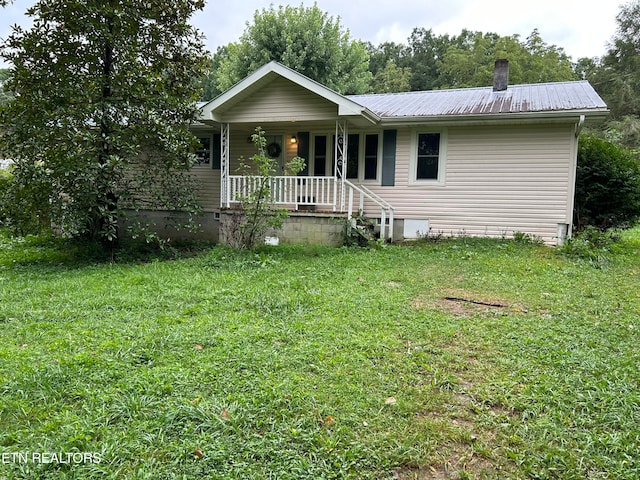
(363, 154)
(320, 156)
(203, 151)
(428, 157)
(353, 147)
(371, 157)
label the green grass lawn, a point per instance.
(456, 359)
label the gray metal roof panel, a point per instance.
(531, 98)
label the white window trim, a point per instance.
(442, 158)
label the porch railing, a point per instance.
(285, 190)
(297, 191)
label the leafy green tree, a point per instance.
(104, 94)
(545, 63)
(424, 54)
(209, 82)
(24, 207)
(618, 81)
(392, 79)
(585, 68)
(307, 40)
(607, 184)
(469, 62)
(384, 53)
(625, 131)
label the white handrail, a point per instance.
(384, 206)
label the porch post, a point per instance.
(224, 166)
(340, 166)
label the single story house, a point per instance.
(487, 161)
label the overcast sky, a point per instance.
(582, 28)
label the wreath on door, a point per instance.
(274, 149)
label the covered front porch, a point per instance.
(340, 141)
(312, 194)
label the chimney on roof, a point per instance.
(501, 75)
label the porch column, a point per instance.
(224, 166)
(340, 166)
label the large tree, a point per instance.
(424, 57)
(618, 79)
(104, 91)
(469, 61)
(305, 39)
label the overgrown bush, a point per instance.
(591, 244)
(607, 184)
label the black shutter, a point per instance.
(303, 151)
(389, 157)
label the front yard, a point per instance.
(455, 359)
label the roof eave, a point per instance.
(593, 115)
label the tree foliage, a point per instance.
(618, 80)
(392, 79)
(5, 74)
(469, 61)
(307, 40)
(209, 83)
(607, 184)
(104, 93)
(432, 61)
(424, 55)
(24, 206)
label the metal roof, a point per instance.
(532, 98)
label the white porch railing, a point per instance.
(285, 190)
(296, 191)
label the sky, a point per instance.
(582, 28)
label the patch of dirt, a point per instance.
(461, 460)
(464, 304)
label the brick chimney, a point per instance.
(501, 75)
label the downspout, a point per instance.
(579, 126)
(562, 234)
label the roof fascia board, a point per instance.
(593, 115)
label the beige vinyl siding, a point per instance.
(207, 182)
(498, 180)
(281, 100)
